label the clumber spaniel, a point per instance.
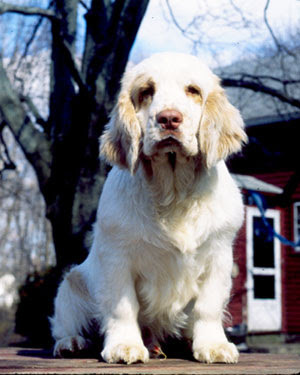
(161, 257)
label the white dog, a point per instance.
(161, 257)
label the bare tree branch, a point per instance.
(259, 87)
(6, 160)
(174, 19)
(82, 3)
(26, 10)
(279, 46)
(33, 109)
(271, 78)
(97, 19)
(176, 23)
(239, 11)
(74, 70)
(31, 39)
(114, 29)
(62, 85)
(35, 144)
(34, 32)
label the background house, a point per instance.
(266, 293)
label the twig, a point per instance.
(35, 30)
(76, 74)
(239, 11)
(186, 32)
(26, 10)
(31, 39)
(7, 161)
(266, 77)
(81, 2)
(33, 109)
(279, 46)
(259, 87)
(174, 18)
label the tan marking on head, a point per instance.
(194, 92)
(121, 140)
(142, 91)
(221, 130)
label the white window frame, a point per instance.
(296, 224)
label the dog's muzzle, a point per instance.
(168, 142)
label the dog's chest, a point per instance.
(166, 283)
(184, 229)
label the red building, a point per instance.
(266, 276)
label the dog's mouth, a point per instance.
(168, 143)
(170, 146)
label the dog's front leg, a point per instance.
(119, 313)
(209, 341)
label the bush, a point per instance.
(35, 305)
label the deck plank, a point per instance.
(36, 361)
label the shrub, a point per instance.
(35, 306)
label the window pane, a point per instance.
(263, 244)
(264, 287)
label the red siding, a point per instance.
(292, 280)
(285, 230)
(279, 179)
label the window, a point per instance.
(297, 224)
(263, 244)
(264, 286)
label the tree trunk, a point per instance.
(66, 154)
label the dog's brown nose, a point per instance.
(169, 119)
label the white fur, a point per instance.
(162, 251)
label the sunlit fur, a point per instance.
(162, 251)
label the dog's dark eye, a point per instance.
(192, 90)
(145, 93)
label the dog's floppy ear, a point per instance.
(120, 142)
(221, 129)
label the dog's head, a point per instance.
(171, 102)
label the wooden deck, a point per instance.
(36, 361)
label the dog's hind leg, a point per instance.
(72, 316)
(152, 344)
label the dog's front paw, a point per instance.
(70, 346)
(127, 353)
(225, 352)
